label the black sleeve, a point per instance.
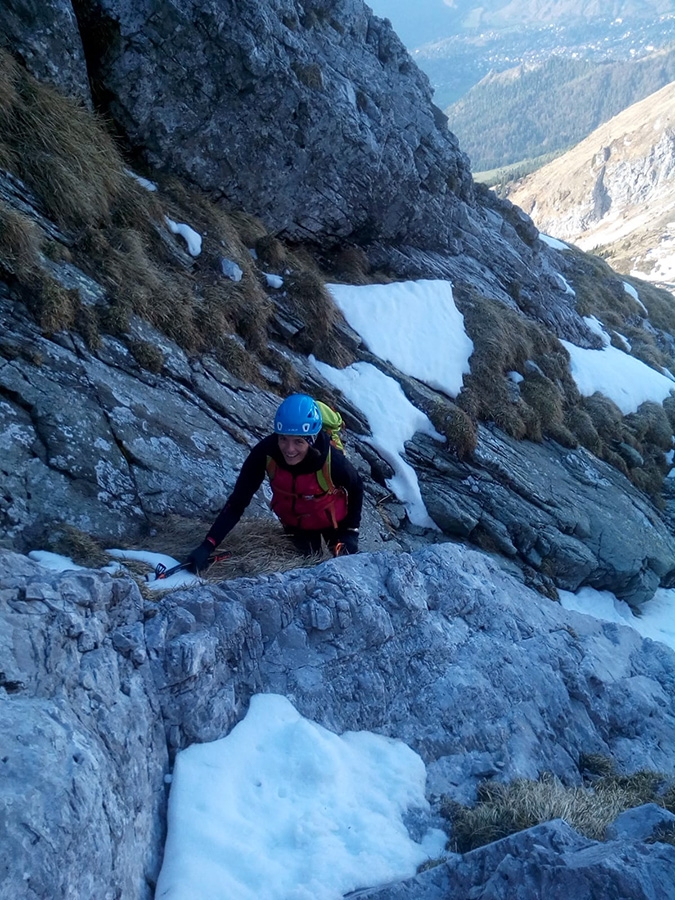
(345, 475)
(250, 478)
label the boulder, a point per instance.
(46, 38)
(644, 823)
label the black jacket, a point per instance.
(253, 472)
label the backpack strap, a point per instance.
(324, 475)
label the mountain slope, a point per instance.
(539, 108)
(615, 190)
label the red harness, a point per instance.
(310, 501)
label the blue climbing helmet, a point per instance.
(298, 414)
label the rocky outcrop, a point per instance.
(550, 860)
(614, 190)
(481, 676)
(83, 748)
(570, 517)
(312, 115)
(46, 38)
(315, 119)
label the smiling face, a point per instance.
(293, 448)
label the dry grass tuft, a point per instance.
(604, 414)
(233, 356)
(61, 150)
(599, 290)
(581, 425)
(313, 304)
(659, 304)
(10, 76)
(456, 425)
(147, 355)
(249, 228)
(20, 242)
(291, 382)
(257, 546)
(53, 307)
(651, 424)
(66, 540)
(87, 325)
(271, 252)
(504, 809)
(669, 409)
(352, 265)
(505, 341)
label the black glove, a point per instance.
(349, 541)
(199, 558)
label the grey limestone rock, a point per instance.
(562, 512)
(82, 745)
(441, 649)
(46, 37)
(641, 824)
(550, 860)
(313, 115)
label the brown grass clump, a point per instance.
(456, 425)
(604, 414)
(147, 355)
(53, 307)
(87, 326)
(259, 547)
(505, 341)
(256, 546)
(271, 252)
(599, 290)
(541, 394)
(20, 242)
(249, 228)
(645, 347)
(352, 265)
(669, 409)
(659, 304)
(290, 379)
(234, 307)
(579, 422)
(80, 547)
(60, 149)
(233, 356)
(313, 304)
(136, 281)
(650, 424)
(504, 809)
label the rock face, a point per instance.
(46, 38)
(565, 513)
(83, 748)
(614, 190)
(310, 115)
(91, 438)
(481, 676)
(550, 860)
